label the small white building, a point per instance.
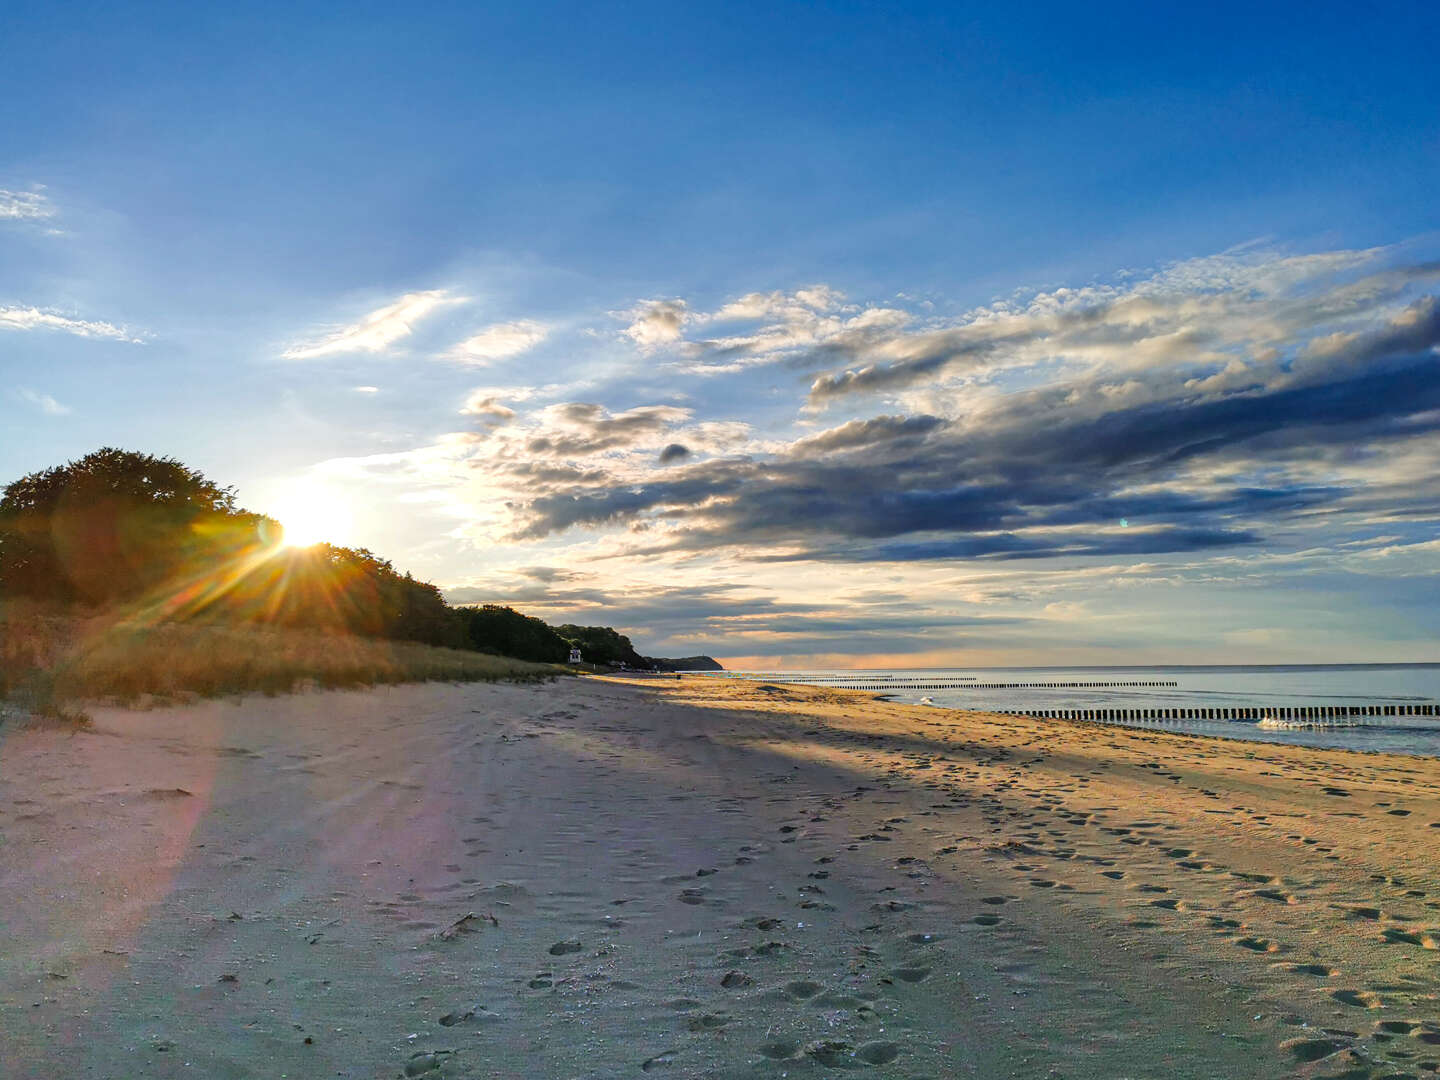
(575, 655)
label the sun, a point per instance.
(312, 517)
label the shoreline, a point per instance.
(710, 879)
(1319, 731)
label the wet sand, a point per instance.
(598, 878)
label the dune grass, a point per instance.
(51, 664)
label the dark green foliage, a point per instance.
(112, 526)
(602, 645)
(156, 543)
(118, 529)
(492, 628)
(684, 663)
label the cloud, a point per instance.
(498, 342)
(366, 389)
(656, 323)
(44, 402)
(1210, 313)
(1182, 439)
(486, 402)
(378, 330)
(24, 206)
(578, 428)
(16, 318)
(1208, 409)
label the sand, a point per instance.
(600, 878)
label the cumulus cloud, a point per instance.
(24, 206)
(578, 428)
(486, 402)
(378, 330)
(17, 318)
(656, 323)
(498, 342)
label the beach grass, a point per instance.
(51, 664)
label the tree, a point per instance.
(602, 645)
(492, 628)
(112, 525)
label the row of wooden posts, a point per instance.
(899, 685)
(1240, 712)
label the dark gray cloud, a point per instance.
(1108, 544)
(674, 452)
(1189, 467)
(581, 428)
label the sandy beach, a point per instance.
(601, 878)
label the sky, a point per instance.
(821, 335)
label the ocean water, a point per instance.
(1263, 687)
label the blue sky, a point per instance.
(932, 298)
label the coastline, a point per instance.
(709, 879)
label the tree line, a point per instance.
(120, 530)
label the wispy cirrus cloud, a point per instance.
(378, 330)
(31, 318)
(498, 342)
(25, 206)
(44, 402)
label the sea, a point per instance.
(1267, 687)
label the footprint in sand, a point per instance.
(1425, 939)
(1308, 1050)
(986, 920)
(878, 1052)
(708, 1022)
(562, 948)
(1359, 999)
(911, 974)
(780, 1050)
(1397, 1027)
(659, 1061)
(736, 980)
(1258, 944)
(1322, 971)
(1276, 895)
(831, 1052)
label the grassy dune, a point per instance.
(49, 663)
